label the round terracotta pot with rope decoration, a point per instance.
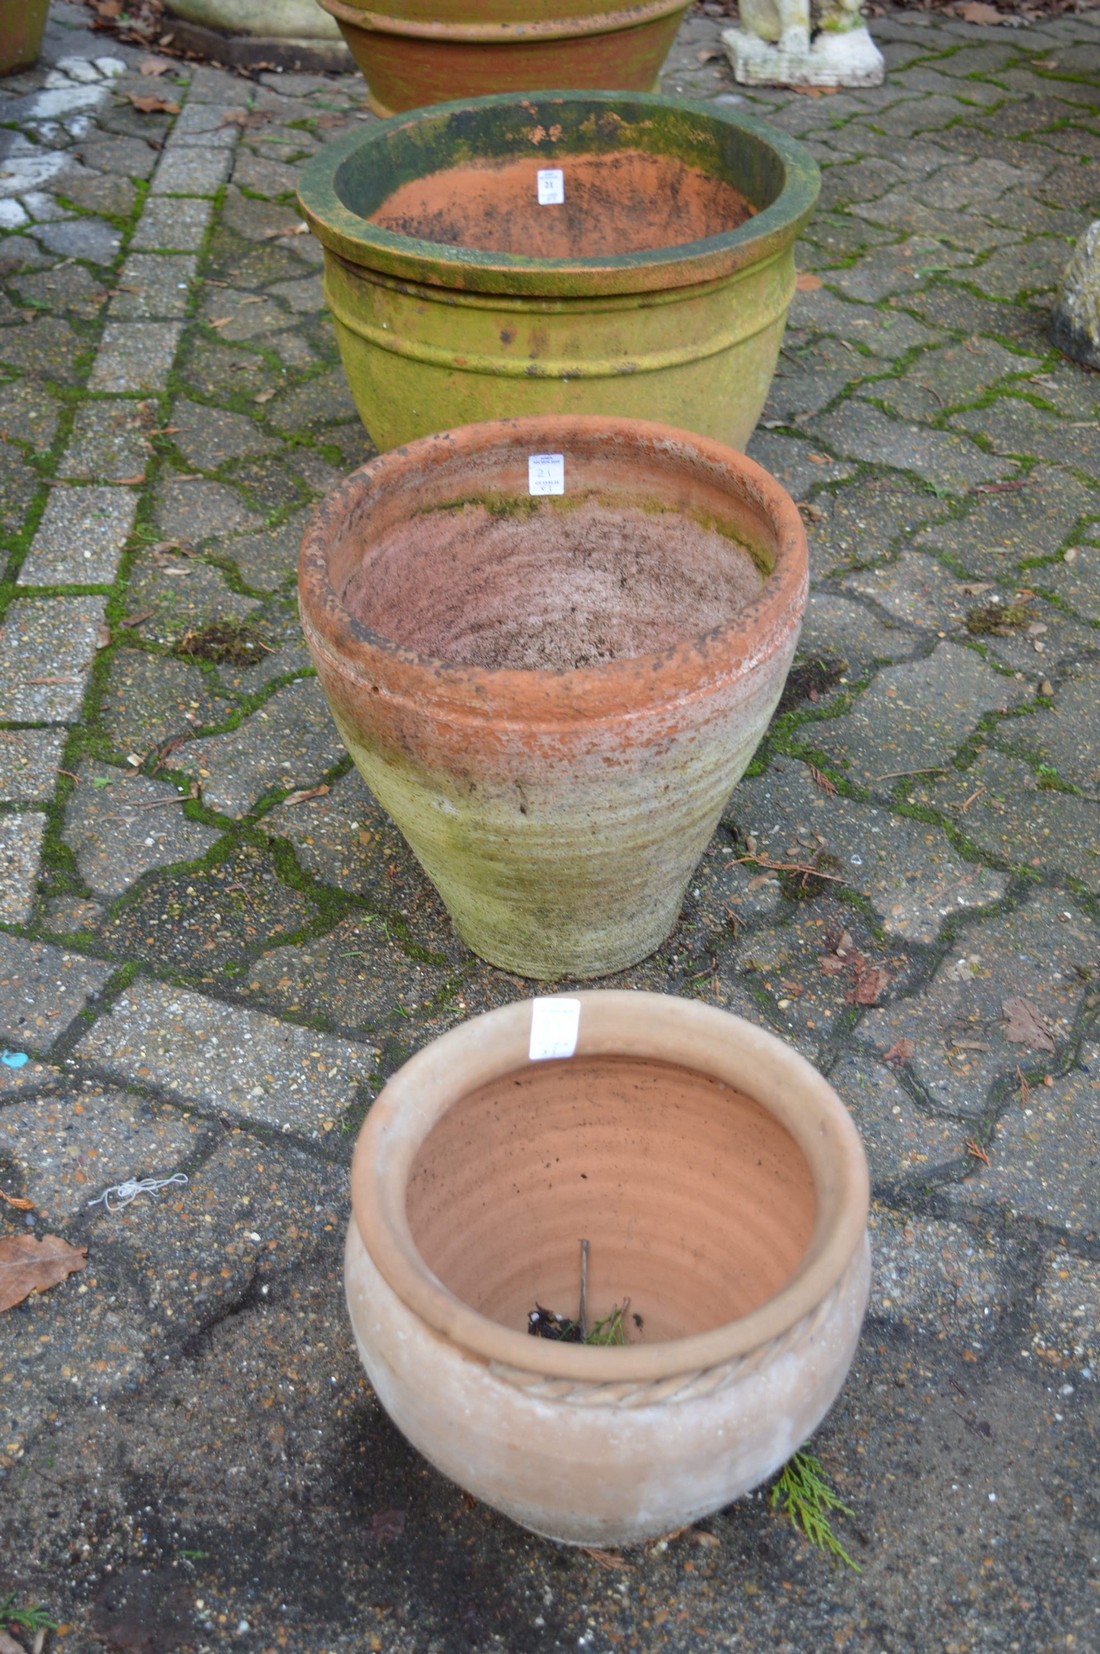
(415, 52)
(722, 1191)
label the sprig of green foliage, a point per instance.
(610, 1330)
(806, 1498)
(25, 1619)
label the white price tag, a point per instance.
(546, 473)
(555, 1024)
(551, 186)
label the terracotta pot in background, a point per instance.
(553, 696)
(722, 1189)
(22, 25)
(657, 288)
(416, 52)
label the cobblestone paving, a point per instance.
(211, 975)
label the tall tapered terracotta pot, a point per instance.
(415, 52)
(722, 1189)
(576, 252)
(553, 694)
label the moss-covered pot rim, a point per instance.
(613, 1022)
(458, 464)
(323, 184)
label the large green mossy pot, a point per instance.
(658, 288)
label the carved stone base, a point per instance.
(1075, 319)
(847, 59)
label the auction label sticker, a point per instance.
(546, 473)
(555, 1024)
(551, 186)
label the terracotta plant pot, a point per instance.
(722, 1189)
(657, 288)
(416, 52)
(553, 696)
(22, 25)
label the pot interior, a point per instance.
(545, 584)
(624, 202)
(697, 1204)
(641, 176)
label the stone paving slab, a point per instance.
(211, 975)
(46, 650)
(81, 537)
(229, 1061)
(42, 989)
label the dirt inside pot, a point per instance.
(540, 585)
(615, 203)
(698, 1205)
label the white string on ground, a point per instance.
(124, 1193)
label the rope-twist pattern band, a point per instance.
(690, 1386)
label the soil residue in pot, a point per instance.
(614, 204)
(547, 588)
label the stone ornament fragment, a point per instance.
(1075, 319)
(803, 43)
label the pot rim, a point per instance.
(630, 1023)
(694, 664)
(513, 25)
(363, 243)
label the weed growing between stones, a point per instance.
(223, 642)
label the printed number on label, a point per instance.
(551, 186)
(546, 474)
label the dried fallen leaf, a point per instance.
(978, 11)
(294, 229)
(138, 619)
(820, 780)
(8, 1645)
(976, 1152)
(869, 986)
(306, 793)
(153, 66)
(807, 283)
(899, 1052)
(607, 1559)
(1025, 1026)
(831, 965)
(17, 1202)
(153, 106)
(246, 118)
(29, 1265)
(102, 637)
